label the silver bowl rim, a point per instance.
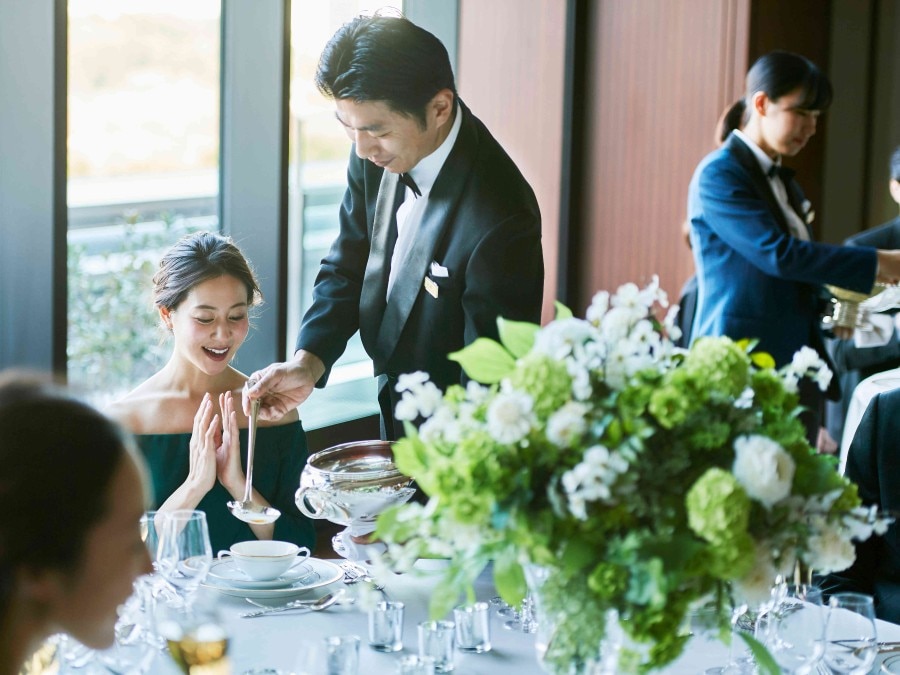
(357, 475)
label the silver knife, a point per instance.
(303, 609)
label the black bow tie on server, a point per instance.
(407, 180)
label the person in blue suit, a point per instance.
(758, 270)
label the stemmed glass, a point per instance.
(184, 554)
(795, 629)
(850, 634)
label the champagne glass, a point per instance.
(795, 630)
(184, 555)
(850, 634)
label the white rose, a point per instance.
(756, 587)
(763, 469)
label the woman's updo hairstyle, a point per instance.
(779, 73)
(196, 258)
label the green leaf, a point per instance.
(763, 658)
(509, 578)
(517, 336)
(484, 361)
(562, 312)
(762, 360)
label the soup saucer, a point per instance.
(227, 572)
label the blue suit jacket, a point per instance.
(755, 279)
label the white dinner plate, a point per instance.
(227, 572)
(323, 573)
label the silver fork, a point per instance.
(354, 572)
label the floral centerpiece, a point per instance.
(645, 477)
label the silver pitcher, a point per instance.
(351, 484)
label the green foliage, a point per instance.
(114, 339)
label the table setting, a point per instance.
(596, 501)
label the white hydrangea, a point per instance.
(598, 308)
(563, 338)
(510, 416)
(420, 397)
(592, 479)
(567, 425)
(763, 468)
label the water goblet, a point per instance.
(184, 555)
(795, 629)
(850, 634)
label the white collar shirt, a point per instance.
(409, 215)
(796, 225)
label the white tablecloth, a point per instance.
(864, 392)
(280, 641)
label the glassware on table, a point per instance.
(415, 665)
(184, 554)
(795, 629)
(850, 634)
(195, 635)
(386, 626)
(342, 655)
(436, 639)
(473, 627)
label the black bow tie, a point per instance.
(781, 171)
(407, 180)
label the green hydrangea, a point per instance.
(718, 508)
(669, 406)
(720, 364)
(545, 379)
(608, 580)
(731, 558)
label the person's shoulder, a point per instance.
(886, 235)
(142, 410)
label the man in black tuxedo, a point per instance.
(421, 267)
(854, 364)
(873, 463)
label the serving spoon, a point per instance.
(246, 509)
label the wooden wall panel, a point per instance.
(510, 73)
(658, 75)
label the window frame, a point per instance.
(253, 173)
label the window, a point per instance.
(143, 166)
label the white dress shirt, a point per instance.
(409, 215)
(795, 224)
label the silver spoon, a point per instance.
(246, 510)
(324, 602)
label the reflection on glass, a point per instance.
(318, 150)
(143, 155)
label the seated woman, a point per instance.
(71, 498)
(873, 464)
(184, 416)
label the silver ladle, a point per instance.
(246, 509)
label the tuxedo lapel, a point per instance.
(374, 288)
(747, 159)
(442, 201)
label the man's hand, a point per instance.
(888, 267)
(281, 387)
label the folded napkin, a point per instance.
(879, 335)
(351, 550)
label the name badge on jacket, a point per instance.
(431, 287)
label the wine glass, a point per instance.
(795, 629)
(850, 634)
(184, 555)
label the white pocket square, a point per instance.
(438, 270)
